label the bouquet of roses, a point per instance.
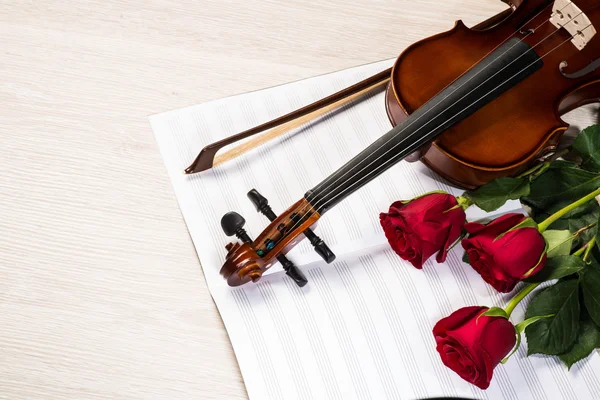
(557, 245)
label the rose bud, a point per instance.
(423, 226)
(502, 255)
(471, 346)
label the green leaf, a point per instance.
(562, 184)
(494, 312)
(559, 242)
(493, 195)
(580, 217)
(521, 326)
(558, 267)
(588, 339)
(557, 334)
(587, 145)
(593, 258)
(590, 286)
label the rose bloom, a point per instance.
(503, 262)
(423, 226)
(473, 347)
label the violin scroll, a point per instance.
(242, 264)
(247, 260)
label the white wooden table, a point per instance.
(101, 292)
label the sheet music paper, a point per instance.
(361, 328)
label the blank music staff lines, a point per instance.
(361, 328)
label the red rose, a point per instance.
(503, 262)
(421, 227)
(472, 347)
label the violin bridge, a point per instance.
(566, 14)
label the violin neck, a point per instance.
(499, 71)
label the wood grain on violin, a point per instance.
(506, 136)
(474, 104)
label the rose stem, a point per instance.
(561, 213)
(539, 168)
(586, 248)
(585, 228)
(531, 171)
(520, 296)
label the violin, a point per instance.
(473, 104)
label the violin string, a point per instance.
(530, 32)
(464, 83)
(439, 114)
(475, 102)
(460, 86)
(299, 221)
(597, 4)
(435, 117)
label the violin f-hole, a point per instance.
(582, 72)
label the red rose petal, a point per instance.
(503, 256)
(473, 345)
(422, 227)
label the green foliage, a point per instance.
(492, 196)
(557, 334)
(558, 267)
(562, 184)
(559, 242)
(579, 218)
(565, 182)
(519, 329)
(573, 332)
(588, 336)
(588, 339)
(587, 146)
(590, 286)
(521, 326)
(563, 319)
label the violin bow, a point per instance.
(208, 157)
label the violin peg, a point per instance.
(262, 204)
(320, 246)
(263, 207)
(257, 199)
(292, 271)
(233, 223)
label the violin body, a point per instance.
(519, 128)
(474, 104)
